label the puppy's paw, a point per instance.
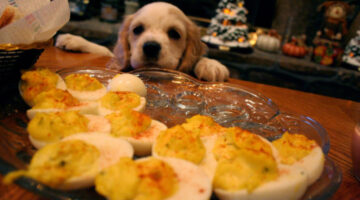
(77, 43)
(69, 42)
(211, 70)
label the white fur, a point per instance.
(77, 43)
(183, 54)
(211, 70)
(156, 21)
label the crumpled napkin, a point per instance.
(40, 22)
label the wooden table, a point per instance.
(337, 116)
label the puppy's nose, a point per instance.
(151, 49)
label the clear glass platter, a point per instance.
(171, 98)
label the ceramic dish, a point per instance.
(171, 98)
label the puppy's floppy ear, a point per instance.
(122, 47)
(194, 48)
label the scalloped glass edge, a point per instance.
(196, 81)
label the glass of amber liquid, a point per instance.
(355, 151)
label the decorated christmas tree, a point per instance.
(228, 29)
(352, 52)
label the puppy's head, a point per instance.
(159, 34)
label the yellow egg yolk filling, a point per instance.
(244, 161)
(51, 127)
(119, 181)
(55, 98)
(235, 138)
(120, 100)
(150, 179)
(82, 82)
(57, 163)
(246, 171)
(203, 126)
(37, 81)
(180, 143)
(128, 123)
(293, 147)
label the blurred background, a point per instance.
(287, 48)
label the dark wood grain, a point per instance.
(337, 116)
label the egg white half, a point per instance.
(209, 163)
(312, 164)
(83, 108)
(127, 82)
(111, 150)
(60, 83)
(88, 95)
(290, 185)
(98, 124)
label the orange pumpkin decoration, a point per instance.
(294, 48)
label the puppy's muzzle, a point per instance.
(151, 49)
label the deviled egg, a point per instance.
(177, 142)
(137, 128)
(289, 184)
(85, 87)
(297, 150)
(34, 82)
(248, 168)
(127, 82)
(192, 141)
(73, 163)
(56, 100)
(118, 101)
(153, 178)
(47, 128)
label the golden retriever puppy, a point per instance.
(160, 35)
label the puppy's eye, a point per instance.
(138, 30)
(173, 34)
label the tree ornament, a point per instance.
(228, 29)
(352, 51)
